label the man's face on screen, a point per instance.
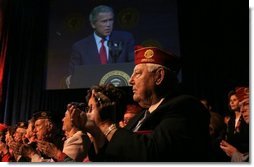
(103, 25)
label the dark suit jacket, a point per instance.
(85, 51)
(177, 131)
(240, 140)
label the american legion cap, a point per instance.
(3, 127)
(156, 55)
(242, 94)
(42, 115)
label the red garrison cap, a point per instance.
(3, 127)
(242, 93)
(156, 55)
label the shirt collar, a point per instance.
(98, 39)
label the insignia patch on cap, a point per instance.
(43, 114)
(149, 54)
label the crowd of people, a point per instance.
(164, 126)
(161, 125)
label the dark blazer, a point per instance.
(177, 131)
(240, 139)
(85, 51)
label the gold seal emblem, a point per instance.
(116, 77)
(74, 22)
(149, 54)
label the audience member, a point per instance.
(217, 126)
(30, 135)
(20, 132)
(237, 134)
(76, 144)
(45, 130)
(3, 129)
(5, 155)
(112, 100)
(234, 120)
(18, 140)
(130, 112)
(217, 129)
(9, 134)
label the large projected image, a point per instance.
(79, 58)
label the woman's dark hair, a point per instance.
(232, 92)
(113, 105)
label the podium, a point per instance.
(85, 76)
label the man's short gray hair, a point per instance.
(99, 9)
(152, 67)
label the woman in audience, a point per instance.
(237, 133)
(234, 120)
(231, 150)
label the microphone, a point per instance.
(115, 49)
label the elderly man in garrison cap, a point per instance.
(171, 128)
(18, 136)
(45, 129)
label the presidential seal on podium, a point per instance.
(116, 77)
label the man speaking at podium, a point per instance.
(104, 46)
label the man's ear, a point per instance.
(93, 26)
(160, 74)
